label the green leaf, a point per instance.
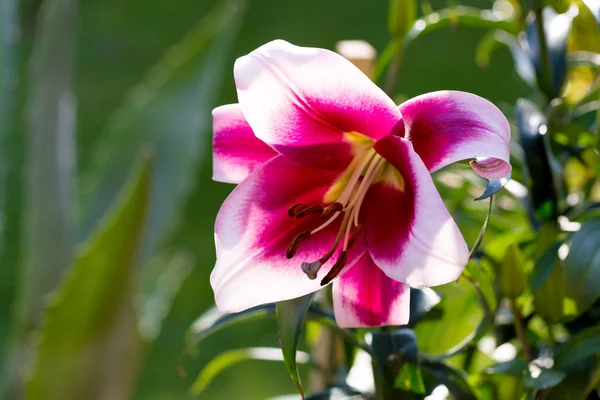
(579, 347)
(544, 267)
(547, 378)
(402, 15)
(516, 368)
(582, 265)
(409, 378)
(90, 327)
(549, 298)
(290, 320)
(234, 357)
(421, 302)
(49, 232)
(337, 393)
(170, 110)
(451, 377)
(512, 275)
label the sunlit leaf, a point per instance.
(290, 316)
(410, 379)
(582, 265)
(90, 327)
(233, 357)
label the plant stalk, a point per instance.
(544, 54)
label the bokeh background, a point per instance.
(146, 75)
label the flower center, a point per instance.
(362, 172)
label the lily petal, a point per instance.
(236, 151)
(253, 230)
(448, 126)
(410, 234)
(302, 101)
(364, 296)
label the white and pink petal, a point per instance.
(410, 234)
(253, 231)
(302, 101)
(449, 126)
(236, 151)
(364, 296)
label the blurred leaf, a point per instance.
(51, 127)
(451, 377)
(523, 65)
(393, 348)
(549, 298)
(594, 8)
(532, 127)
(337, 393)
(401, 16)
(169, 109)
(233, 357)
(516, 367)
(582, 265)
(547, 378)
(10, 167)
(585, 33)
(544, 267)
(557, 28)
(578, 347)
(421, 302)
(512, 276)
(290, 316)
(409, 378)
(90, 327)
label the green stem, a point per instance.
(546, 73)
(394, 69)
(520, 330)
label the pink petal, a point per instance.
(253, 230)
(236, 151)
(410, 234)
(364, 296)
(302, 100)
(449, 126)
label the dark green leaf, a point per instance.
(544, 267)
(582, 265)
(337, 393)
(547, 378)
(579, 347)
(234, 357)
(532, 127)
(516, 367)
(169, 109)
(557, 28)
(290, 321)
(90, 326)
(421, 301)
(451, 377)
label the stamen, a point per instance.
(334, 207)
(336, 269)
(354, 236)
(295, 243)
(310, 210)
(311, 269)
(296, 208)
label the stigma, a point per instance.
(349, 192)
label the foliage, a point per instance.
(109, 316)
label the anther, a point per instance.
(309, 210)
(295, 243)
(311, 269)
(330, 209)
(296, 208)
(336, 269)
(354, 236)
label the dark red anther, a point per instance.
(295, 243)
(336, 269)
(332, 208)
(310, 210)
(354, 236)
(295, 209)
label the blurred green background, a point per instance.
(135, 85)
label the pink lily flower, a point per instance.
(334, 185)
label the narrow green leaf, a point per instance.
(549, 298)
(90, 327)
(579, 347)
(546, 378)
(512, 275)
(402, 15)
(170, 110)
(338, 393)
(49, 242)
(544, 267)
(451, 377)
(516, 368)
(582, 265)
(234, 357)
(290, 321)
